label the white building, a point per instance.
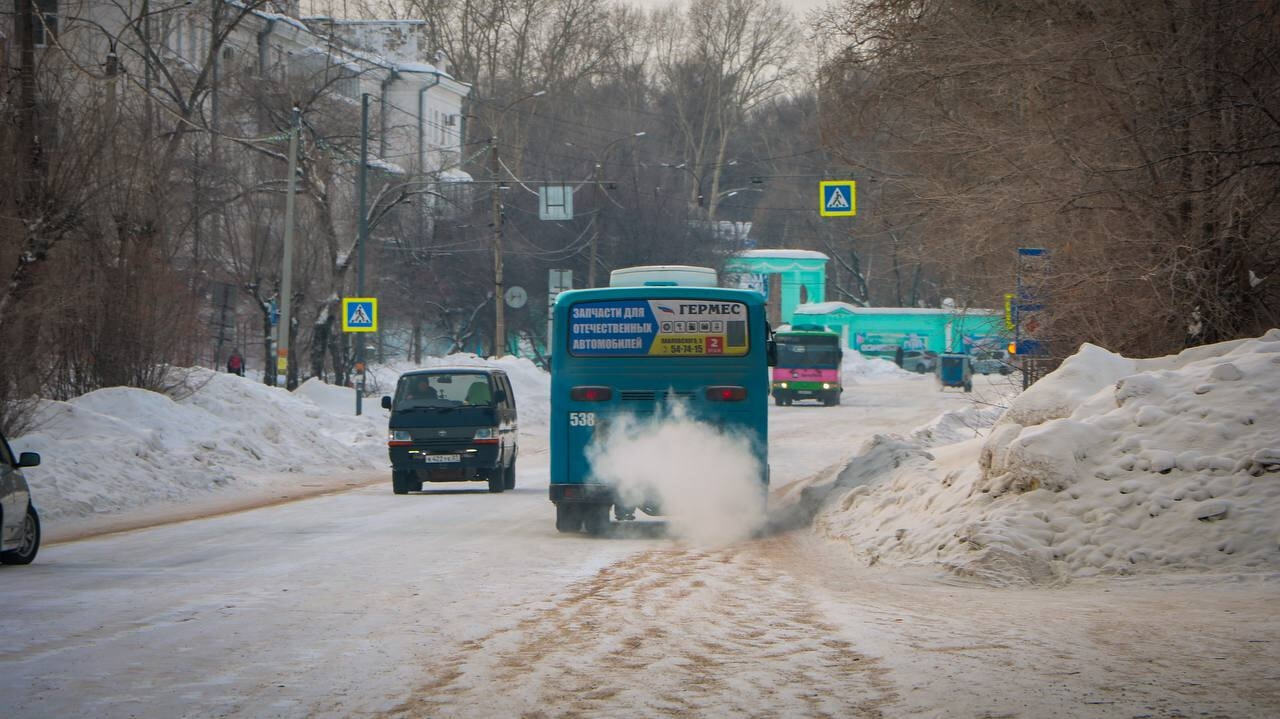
(416, 105)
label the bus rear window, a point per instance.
(659, 328)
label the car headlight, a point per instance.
(826, 385)
(399, 436)
(783, 385)
(486, 435)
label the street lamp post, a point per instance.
(495, 166)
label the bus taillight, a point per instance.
(591, 394)
(726, 394)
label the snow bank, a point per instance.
(857, 368)
(532, 384)
(1108, 466)
(121, 448)
(958, 425)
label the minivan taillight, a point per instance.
(591, 394)
(726, 393)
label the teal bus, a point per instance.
(634, 351)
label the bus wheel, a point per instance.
(595, 519)
(780, 399)
(568, 517)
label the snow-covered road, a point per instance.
(460, 603)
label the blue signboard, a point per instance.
(620, 329)
(838, 198)
(359, 314)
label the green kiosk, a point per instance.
(787, 278)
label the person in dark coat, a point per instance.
(235, 363)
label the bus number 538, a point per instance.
(582, 419)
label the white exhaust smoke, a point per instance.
(707, 481)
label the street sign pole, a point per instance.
(362, 223)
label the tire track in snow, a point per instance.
(669, 632)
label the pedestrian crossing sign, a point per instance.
(360, 314)
(838, 198)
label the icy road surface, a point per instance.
(460, 603)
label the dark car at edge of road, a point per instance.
(19, 521)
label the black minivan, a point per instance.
(452, 424)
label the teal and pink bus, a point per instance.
(808, 366)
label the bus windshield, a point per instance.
(808, 351)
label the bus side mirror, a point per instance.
(771, 353)
(386, 402)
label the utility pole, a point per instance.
(499, 316)
(499, 324)
(286, 273)
(362, 225)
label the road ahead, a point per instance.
(460, 603)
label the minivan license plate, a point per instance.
(441, 458)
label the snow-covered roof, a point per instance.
(783, 255)
(826, 308)
(455, 175)
(350, 21)
(386, 166)
(423, 67)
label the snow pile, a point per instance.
(857, 368)
(120, 448)
(531, 384)
(706, 480)
(967, 422)
(1106, 466)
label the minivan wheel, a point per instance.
(30, 541)
(496, 480)
(400, 482)
(509, 476)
